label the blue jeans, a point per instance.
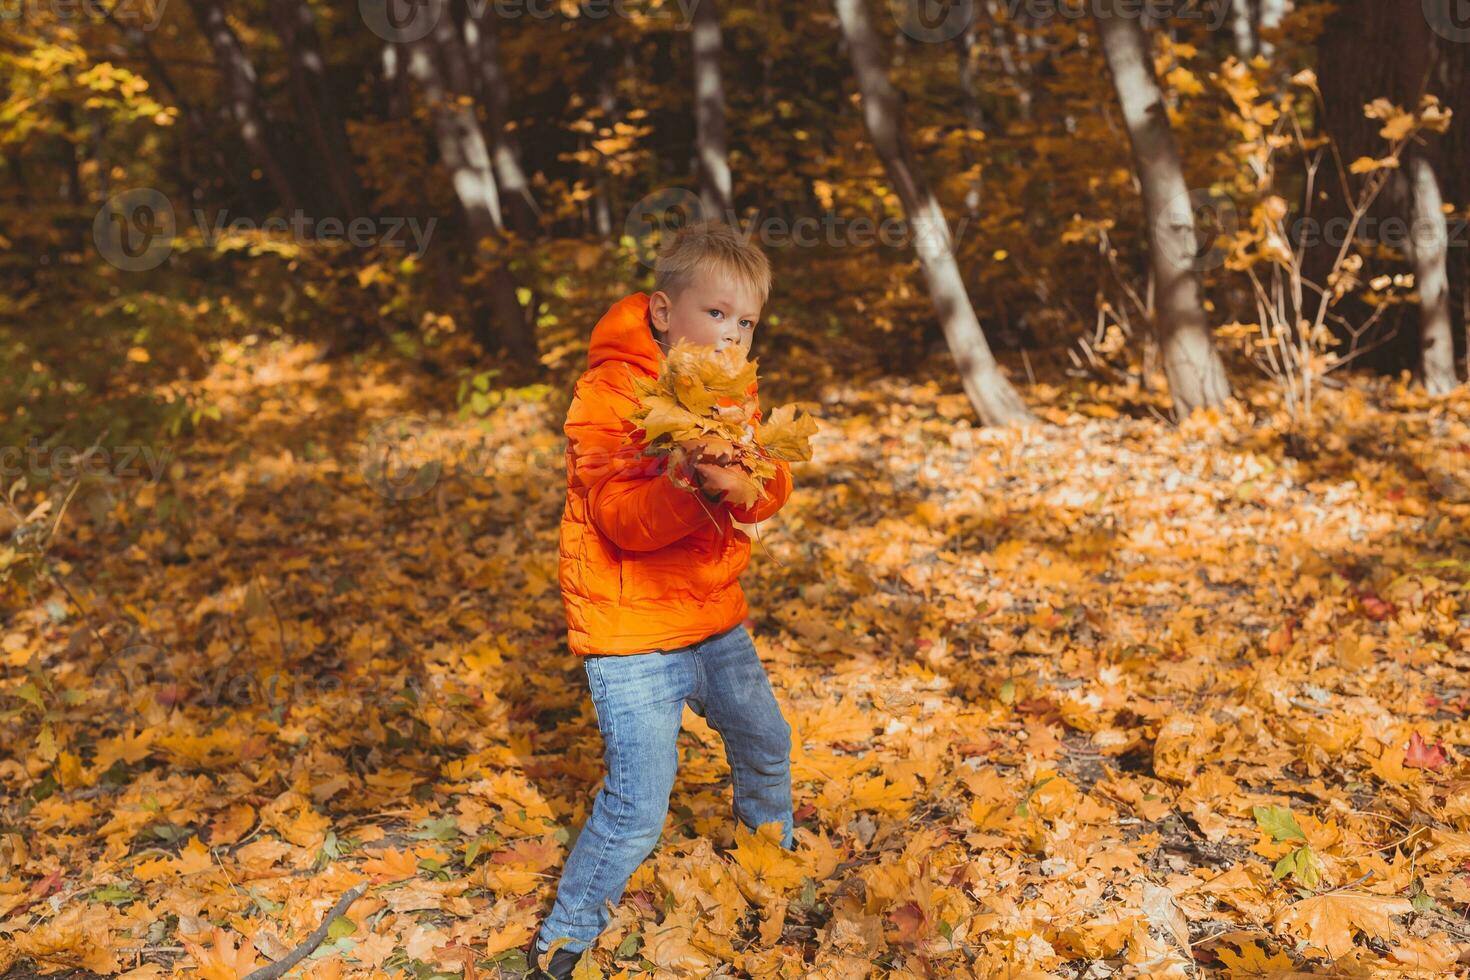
(640, 700)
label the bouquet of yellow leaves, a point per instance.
(698, 413)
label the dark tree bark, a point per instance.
(242, 97)
(316, 104)
(605, 56)
(1196, 374)
(1353, 72)
(196, 133)
(709, 111)
(994, 398)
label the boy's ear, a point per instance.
(658, 311)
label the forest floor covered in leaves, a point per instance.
(1105, 697)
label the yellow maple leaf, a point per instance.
(220, 958)
(392, 865)
(1329, 921)
(760, 854)
(786, 437)
(1253, 961)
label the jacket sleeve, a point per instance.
(778, 489)
(629, 498)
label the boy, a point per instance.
(650, 581)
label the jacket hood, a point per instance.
(623, 334)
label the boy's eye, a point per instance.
(716, 313)
(747, 325)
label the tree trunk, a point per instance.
(1243, 29)
(1428, 249)
(1192, 364)
(974, 112)
(989, 391)
(463, 152)
(316, 104)
(196, 133)
(709, 111)
(1269, 14)
(1353, 72)
(242, 97)
(605, 56)
(517, 201)
(1002, 35)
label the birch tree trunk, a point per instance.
(242, 97)
(1428, 250)
(1270, 14)
(1192, 364)
(709, 111)
(989, 391)
(516, 199)
(1243, 29)
(464, 153)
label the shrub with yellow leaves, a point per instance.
(699, 413)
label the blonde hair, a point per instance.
(707, 245)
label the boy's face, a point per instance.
(714, 309)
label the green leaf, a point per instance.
(443, 828)
(1301, 864)
(341, 926)
(1278, 822)
(29, 692)
(115, 894)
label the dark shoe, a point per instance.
(558, 967)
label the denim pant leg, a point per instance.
(640, 702)
(739, 704)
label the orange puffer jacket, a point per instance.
(644, 564)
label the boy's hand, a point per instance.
(703, 478)
(692, 474)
